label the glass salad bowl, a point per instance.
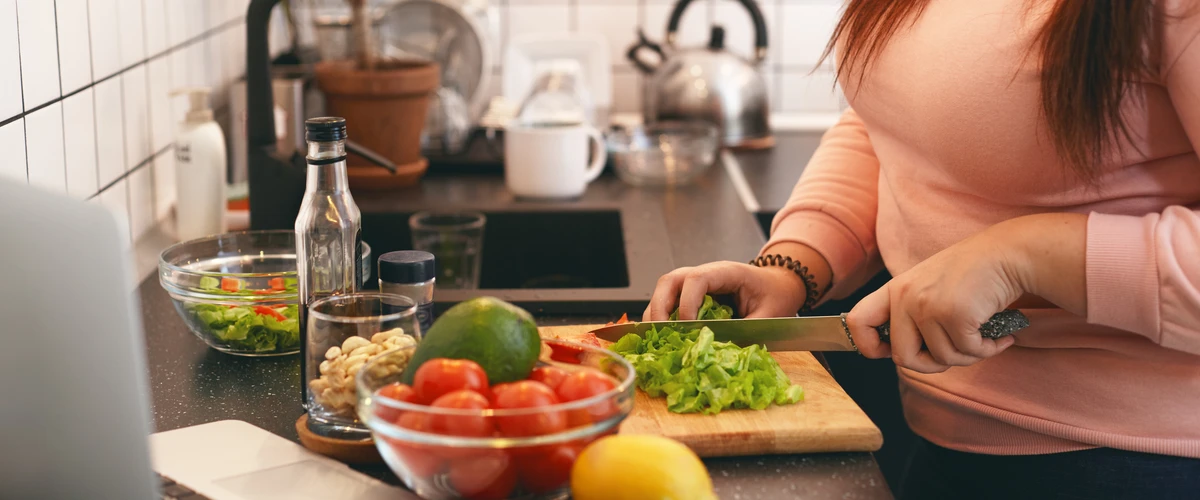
(455, 451)
(237, 291)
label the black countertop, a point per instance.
(192, 384)
(772, 173)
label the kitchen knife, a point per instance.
(810, 333)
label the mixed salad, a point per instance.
(249, 328)
(698, 374)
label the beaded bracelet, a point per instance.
(812, 295)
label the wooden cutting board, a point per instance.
(826, 421)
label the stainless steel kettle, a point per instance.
(708, 83)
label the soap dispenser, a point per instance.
(200, 170)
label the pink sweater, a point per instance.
(944, 140)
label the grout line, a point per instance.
(87, 9)
(148, 160)
(21, 80)
(734, 170)
(61, 113)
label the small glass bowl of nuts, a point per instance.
(344, 333)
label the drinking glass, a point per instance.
(344, 332)
(456, 239)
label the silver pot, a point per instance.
(708, 83)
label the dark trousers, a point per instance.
(936, 473)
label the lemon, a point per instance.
(630, 467)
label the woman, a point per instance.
(1038, 154)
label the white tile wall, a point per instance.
(84, 100)
(797, 31)
(10, 57)
(39, 52)
(44, 148)
(74, 47)
(12, 142)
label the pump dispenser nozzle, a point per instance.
(199, 112)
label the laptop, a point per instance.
(75, 417)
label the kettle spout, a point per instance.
(635, 54)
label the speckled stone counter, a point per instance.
(192, 384)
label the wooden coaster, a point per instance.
(767, 142)
(351, 452)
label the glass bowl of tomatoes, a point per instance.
(237, 291)
(452, 434)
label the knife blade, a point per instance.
(808, 333)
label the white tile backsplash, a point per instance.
(813, 93)
(85, 102)
(164, 183)
(616, 21)
(44, 148)
(110, 131)
(137, 116)
(79, 139)
(105, 37)
(141, 201)
(10, 57)
(539, 18)
(39, 52)
(177, 22)
(133, 32)
(74, 45)
(12, 142)
(162, 125)
(806, 28)
(156, 26)
(116, 200)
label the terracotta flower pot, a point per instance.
(384, 109)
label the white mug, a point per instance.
(551, 160)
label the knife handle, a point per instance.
(1002, 324)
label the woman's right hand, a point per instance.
(760, 292)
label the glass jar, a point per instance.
(344, 332)
(411, 273)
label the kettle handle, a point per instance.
(760, 26)
(634, 53)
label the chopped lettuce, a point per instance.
(698, 374)
(243, 329)
(248, 328)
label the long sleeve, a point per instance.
(1143, 273)
(833, 207)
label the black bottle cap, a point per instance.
(407, 266)
(325, 129)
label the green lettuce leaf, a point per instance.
(695, 373)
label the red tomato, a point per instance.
(440, 376)
(584, 384)
(564, 353)
(548, 469)
(528, 394)
(462, 425)
(419, 459)
(549, 375)
(485, 474)
(394, 391)
(267, 311)
(277, 284)
(231, 285)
